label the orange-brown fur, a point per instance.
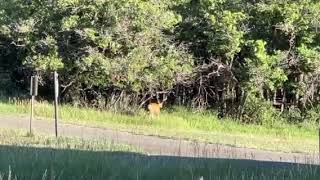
(154, 108)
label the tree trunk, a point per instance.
(283, 100)
(275, 97)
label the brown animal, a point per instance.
(154, 107)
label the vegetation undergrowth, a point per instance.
(42, 157)
(182, 123)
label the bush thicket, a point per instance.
(228, 55)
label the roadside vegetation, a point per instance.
(43, 157)
(240, 58)
(20, 138)
(181, 123)
(238, 72)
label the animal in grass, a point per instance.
(155, 107)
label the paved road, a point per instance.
(159, 146)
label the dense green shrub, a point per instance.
(103, 44)
(259, 111)
(207, 53)
(294, 115)
(313, 115)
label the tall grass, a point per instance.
(20, 138)
(46, 158)
(183, 123)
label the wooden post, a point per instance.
(56, 98)
(33, 94)
(31, 116)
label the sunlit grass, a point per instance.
(182, 123)
(21, 138)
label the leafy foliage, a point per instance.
(208, 52)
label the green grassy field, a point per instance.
(42, 157)
(180, 123)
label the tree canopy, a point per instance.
(219, 54)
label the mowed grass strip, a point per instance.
(20, 138)
(41, 157)
(180, 123)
